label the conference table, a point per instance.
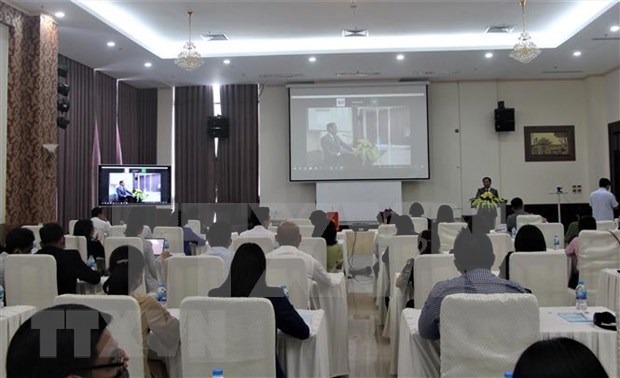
(419, 357)
(10, 319)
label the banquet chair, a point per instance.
(117, 231)
(30, 280)
(306, 231)
(544, 273)
(597, 250)
(264, 242)
(233, 334)
(419, 224)
(550, 230)
(427, 271)
(522, 220)
(289, 272)
(72, 223)
(447, 234)
(301, 222)
(384, 233)
(125, 327)
(37, 236)
(483, 335)
(401, 249)
(79, 244)
(111, 243)
(386, 229)
(194, 225)
(502, 244)
(190, 276)
(606, 225)
(316, 247)
(174, 236)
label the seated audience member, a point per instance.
(189, 236)
(334, 250)
(126, 276)
(572, 231)
(405, 280)
(247, 279)
(416, 210)
(319, 220)
(85, 228)
(529, 239)
(289, 238)
(386, 216)
(572, 251)
(259, 223)
(69, 264)
(219, 243)
(46, 345)
(444, 215)
(18, 241)
(517, 209)
(558, 358)
(100, 222)
(473, 257)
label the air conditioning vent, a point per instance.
(357, 74)
(434, 73)
(355, 33)
(606, 39)
(563, 72)
(494, 29)
(280, 76)
(214, 37)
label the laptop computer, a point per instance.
(158, 245)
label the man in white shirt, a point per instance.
(289, 239)
(259, 224)
(603, 202)
(100, 222)
(219, 242)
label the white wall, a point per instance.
(612, 94)
(4, 69)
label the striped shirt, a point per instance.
(477, 281)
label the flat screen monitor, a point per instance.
(134, 184)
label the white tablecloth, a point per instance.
(418, 357)
(398, 301)
(333, 301)
(608, 292)
(86, 288)
(10, 319)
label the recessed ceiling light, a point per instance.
(148, 64)
(488, 55)
(111, 44)
(312, 59)
(59, 14)
(226, 61)
(577, 53)
(400, 57)
(615, 28)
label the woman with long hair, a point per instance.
(86, 228)
(529, 239)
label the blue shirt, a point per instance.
(477, 281)
(223, 253)
(603, 203)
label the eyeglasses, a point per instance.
(118, 362)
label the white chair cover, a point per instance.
(174, 236)
(386, 229)
(117, 231)
(419, 224)
(401, 249)
(550, 230)
(427, 271)
(316, 247)
(606, 225)
(79, 244)
(447, 234)
(233, 334)
(125, 327)
(306, 231)
(502, 244)
(72, 223)
(111, 243)
(194, 225)
(544, 273)
(30, 280)
(483, 335)
(264, 242)
(11, 318)
(527, 219)
(301, 222)
(597, 250)
(289, 272)
(190, 276)
(35, 230)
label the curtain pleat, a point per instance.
(147, 126)
(128, 123)
(105, 111)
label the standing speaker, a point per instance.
(217, 127)
(504, 120)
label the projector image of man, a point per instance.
(122, 194)
(334, 148)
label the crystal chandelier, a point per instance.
(189, 59)
(525, 50)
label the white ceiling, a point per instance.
(270, 42)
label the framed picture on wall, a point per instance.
(549, 143)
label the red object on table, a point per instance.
(333, 216)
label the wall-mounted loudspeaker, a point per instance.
(217, 127)
(504, 118)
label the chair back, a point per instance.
(194, 225)
(306, 231)
(30, 280)
(401, 249)
(126, 325)
(427, 271)
(111, 243)
(290, 272)
(174, 236)
(233, 334)
(79, 244)
(447, 234)
(11, 318)
(386, 229)
(608, 225)
(419, 224)
(597, 250)
(524, 219)
(264, 242)
(544, 273)
(502, 244)
(37, 236)
(483, 335)
(190, 276)
(117, 231)
(316, 247)
(72, 223)
(550, 230)
(301, 222)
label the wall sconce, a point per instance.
(49, 154)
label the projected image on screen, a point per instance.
(134, 185)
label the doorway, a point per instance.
(614, 157)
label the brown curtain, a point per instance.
(147, 126)
(194, 151)
(237, 160)
(75, 145)
(128, 123)
(105, 113)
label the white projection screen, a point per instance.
(359, 132)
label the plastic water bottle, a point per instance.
(581, 295)
(92, 264)
(514, 232)
(1, 296)
(285, 289)
(508, 374)
(556, 242)
(166, 247)
(218, 373)
(162, 296)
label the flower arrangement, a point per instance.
(139, 195)
(488, 200)
(366, 151)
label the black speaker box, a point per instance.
(504, 120)
(217, 127)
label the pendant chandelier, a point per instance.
(189, 59)
(525, 50)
